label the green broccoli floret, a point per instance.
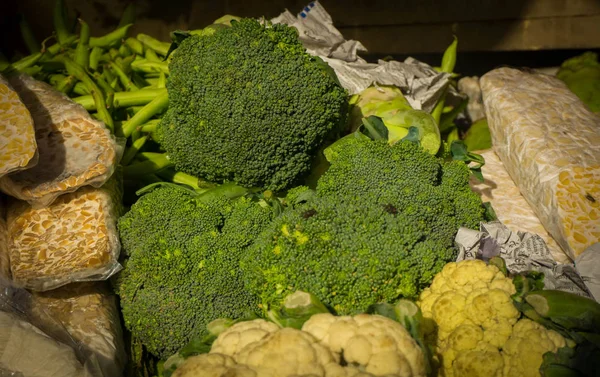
(247, 104)
(181, 270)
(380, 226)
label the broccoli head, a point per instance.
(247, 104)
(181, 270)
(380, 226)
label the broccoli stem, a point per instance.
(185, 179)
(154, 44)
(123, 99)
(157, 105)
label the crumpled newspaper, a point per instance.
(421, 84)
(523, 252)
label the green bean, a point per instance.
(60, 22)
(110, 38)
(125, 81)
(123, 99)
(55, 78)
(124, 51)
(135, 45)
(149, 126)
(156, 106)
(77, 71)
(80, 89)
(128, 16)
(4, 63)
(125, 64)
(113, 53)
(82, 56)
(95, 58)
(149, 163)
(58, 47)
(28, 36)
(27, 61)
(67, 84)
(449, 58)
(151, 56)
(156, 45)
(133, 150)
(162, 81)
(106, 88)
(148, 66)
(33, 70)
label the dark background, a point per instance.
(534, 33)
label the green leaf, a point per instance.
(478, 136)
(490, 213)
(447, 119)
(459, 152)
(374, 128)
(413, 135)
(296, 309)
(177, 36)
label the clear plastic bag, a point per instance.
(74, 149)
(33, 344)
(74, 239)
(18, 148)
(89, 312)
(549, 142)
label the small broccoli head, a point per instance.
(247, 104)
(182, 266)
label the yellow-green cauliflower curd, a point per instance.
(476, 328)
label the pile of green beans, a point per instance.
(120, 80)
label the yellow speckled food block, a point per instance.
(74, 149)
(510, 206)
(4, 258)
(549, 142)
(18, 148)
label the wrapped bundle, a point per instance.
(510, 206)
(74, 239)
(74, 149)
(18, 148)
(89, 312)
(549, 142)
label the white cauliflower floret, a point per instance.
(213, 365)
(373, 343)
(287, 352)
(238, 336)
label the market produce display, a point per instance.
(219, 205)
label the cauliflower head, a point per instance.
(370, 343)
(477, 331)
(523, 352)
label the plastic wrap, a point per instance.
(74, 239)
(90, 314)
(74, 149)
(33, 344)
(4, 259)
(18, 148)
(510, 206)
(549, 142)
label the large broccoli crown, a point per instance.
(381, 225)
(182, 267)
(248, 104)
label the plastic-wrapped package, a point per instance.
(549, 142)
(74, 149)
(4, 259)
(18, 148)
(510, 206)
(90, 314)
(33, 344)
(74, 239)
